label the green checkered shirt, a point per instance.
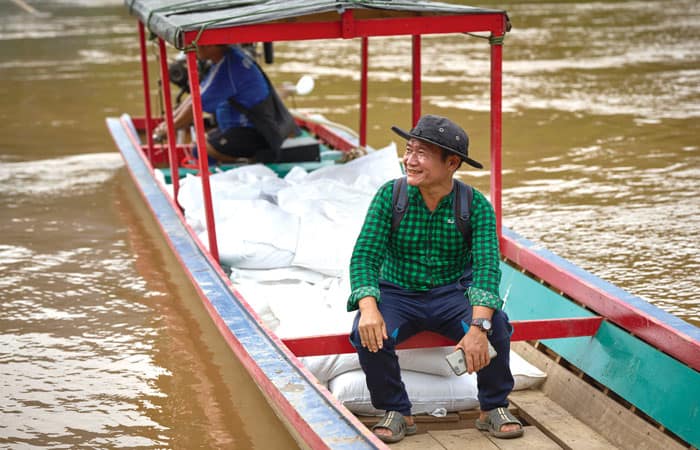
(427, 250)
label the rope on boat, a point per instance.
(497, 40)
(493, 40)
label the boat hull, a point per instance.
(309, 411)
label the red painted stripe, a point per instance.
(524, 330)
(326, 135)
(646, 327)
(322, 131)
(530, 330)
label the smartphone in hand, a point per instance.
(458, 362)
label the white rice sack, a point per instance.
(424, 360)
(327, 367)
(257, 177)
(256, 295)
(255, 234)
(243, 183)
(427, 392)
(280, 274)
(190, 195)
(296, 175)
(324, 246)
(367, 173)
(247, 174)
(304, 310)
(332, 199)
(525, 374)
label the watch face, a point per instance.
(484, 324)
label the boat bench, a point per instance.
(523, 330)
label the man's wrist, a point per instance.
(366, 302)
(482, 324)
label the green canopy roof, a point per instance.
(170, 19)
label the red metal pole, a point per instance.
(363, 93)
(146, 92)
(172, 150)
(416, 79)
(496, 130)
(202, 151)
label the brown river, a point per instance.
(102, 342)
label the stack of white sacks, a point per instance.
(289, 243)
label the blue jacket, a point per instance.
(237, 76)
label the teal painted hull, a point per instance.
(655, 383)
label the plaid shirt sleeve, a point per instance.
(371, 248)
(485, 255)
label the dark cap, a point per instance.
(442, 132)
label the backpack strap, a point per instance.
(462, 204)
(399, 200)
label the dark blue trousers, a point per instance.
(446, 311)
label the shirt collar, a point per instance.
(415, 197)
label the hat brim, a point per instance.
(408, 136)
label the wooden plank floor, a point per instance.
(547, 426)
(475, 440)
(564, 412)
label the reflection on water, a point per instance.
(77, 349)
(99, 343)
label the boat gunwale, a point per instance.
(662, 330)
(295, 420)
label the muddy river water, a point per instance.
(102, 343)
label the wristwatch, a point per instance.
(483, 324)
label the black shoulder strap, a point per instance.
(462, 203)
(270, 117)
(399, 200)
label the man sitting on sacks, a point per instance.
(425, 275)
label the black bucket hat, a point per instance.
(442, 132)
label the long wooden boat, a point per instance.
(621, 373)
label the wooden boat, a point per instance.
(621, 373)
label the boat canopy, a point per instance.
(171, 19)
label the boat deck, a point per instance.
(565, 412)
(547, 426)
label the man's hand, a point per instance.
(476, 349)
(371, 326)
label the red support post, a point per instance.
(202, 152)
(416, 59)
(496, 129)
(168, 105)
(146, 92)
(363, 92)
